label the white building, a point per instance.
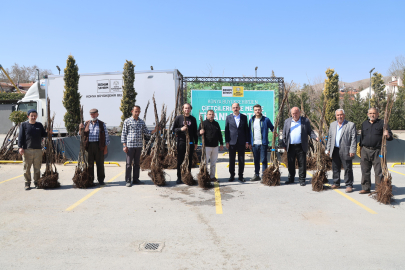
(391, 86)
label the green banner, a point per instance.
(203, 101)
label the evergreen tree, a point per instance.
(71, 96)
(356, 111)
(347, 103)
(304, 98)
(397, 119)
(379, 99)
(129, 94)
(331, 92)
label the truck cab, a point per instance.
(35, 98)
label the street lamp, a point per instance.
(256, 71)
(58, 69)
(369, 95)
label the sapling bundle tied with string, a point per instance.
(186, 175)
(271, 176)
(384, 189)
(50, 177)
(156, 171)
(163, 132)
(171, 157)
(7, 149)
(319, 178)
(171, 160)
(82, 178)
(203, 177)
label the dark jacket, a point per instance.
(306, 131)
(265, 125)
(371, 134)
(192, 129)
(212, 133)
(30, 135)
(234, 134)
(101, 135)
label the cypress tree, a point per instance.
(71, 96)
(129, 94)
(331, 92)
(379, 99)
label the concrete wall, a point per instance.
(5, 123)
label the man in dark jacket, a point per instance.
(29, 146)
(180, 129)
(212, 136)
(259, 126)
(237, 140)
(295, 140)
(370, 143)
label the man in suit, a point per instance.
(237, 140)
(341, 147)
(295, 140)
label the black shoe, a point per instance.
(27, 187)
(289, 182)
(231, 179)
(178, 182)
(255, 178)
(137, 182)
(303, 184)
(101, 183)
(241, 179)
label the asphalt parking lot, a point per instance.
(234, 226)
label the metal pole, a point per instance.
(369, 92)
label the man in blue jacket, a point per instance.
(259, 126)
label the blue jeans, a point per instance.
(260, 155)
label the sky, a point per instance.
(299, 40)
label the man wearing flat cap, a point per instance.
(29, 146)
(96, 141)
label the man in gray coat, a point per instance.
(295, 141)
(341, 147)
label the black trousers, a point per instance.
(295, 152)
(134, 154)
(240, 148)
(370, 158)
(181, 153)
(96, 155)
(337, 161)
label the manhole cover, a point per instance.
(151, 246)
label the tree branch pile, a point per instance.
(50, 177)
(7, 149)
(271, 176)
(384, 189)
(319, 178)
(186, 175)
(82, 178)
(156, 171)
(203, 177)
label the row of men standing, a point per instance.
(240, 133)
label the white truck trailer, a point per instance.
(103, 91)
